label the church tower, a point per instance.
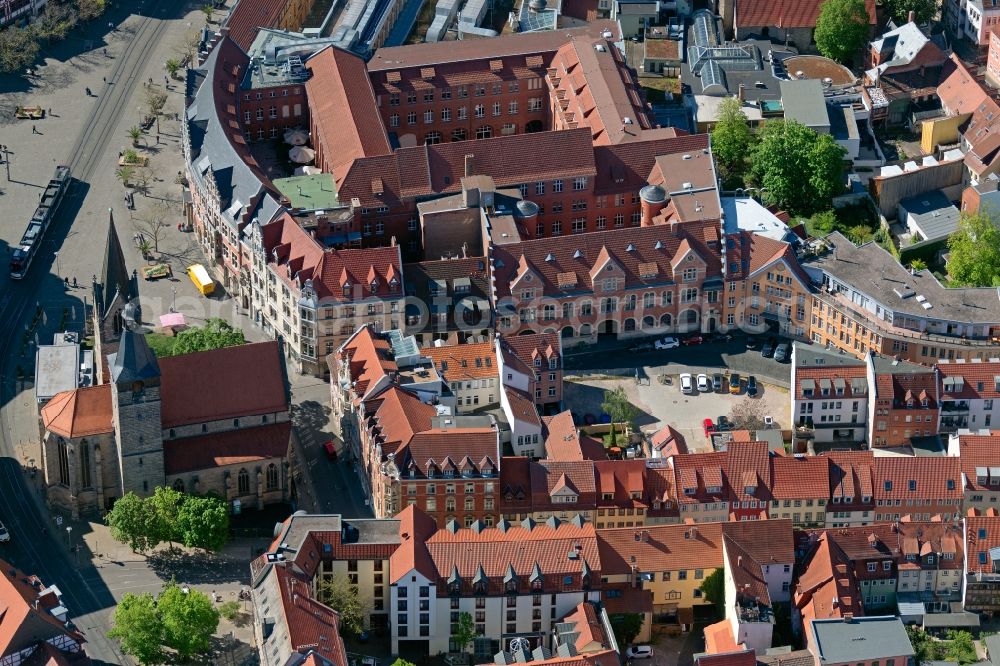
(135, 401)
(116, 302)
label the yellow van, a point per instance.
(201, 279)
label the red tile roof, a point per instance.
(474, 360)
(979, 381)
(227, 383)
(25, 620)
(536, 345)
(309, 622)
(661, 548)
(851, 475)
(629, 166)
(668, 442)
(827, 587)
(582, 254)
(399, 414)
(235, 447)
(415, 527)
(931, 478)
(960, 92)
(784, 13)
(248, 16)
(733, 658)
(979, 453)
(522, 406)
(766, 541)
(343, 110)
(547, 477)
(982, 534)
(588, 627)
(297, 257)
(800, 477)
(370, 357)
(563, 442)
(82, 412)
(764, 252)
(719, 638)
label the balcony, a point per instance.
(751, 611)
(954, 406)
(882, 327)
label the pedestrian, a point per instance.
(164, 80)
(105, 52)
(104, 78)
(34, 130)
(74, 282)
(50, 112)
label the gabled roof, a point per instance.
(800, 477)
(26, 617)
(82, 412)
(248, 16)
(786, 14)
(960, 92)
(930, 478)
(343, 110)
(980, 460)
(233, 447)
(563, 442)
(979, 380)
(227, 383)
(474, 360)
(661, 548)
(370, 357)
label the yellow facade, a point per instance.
(672, 588)
(613, 517)
(370, 577)
(937, 131)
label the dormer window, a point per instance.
(393, 285)
(930, 559)
(866, 499)
(552, 364)
(888, 486)
(689, 491)
(909, 404)
(538, 362)
(374, 286)
(511, 586)
(536, 585)
(454, 587)
(848, 499)
(924, 403)
(912, 485)
(750, 490)
(950, 483)
(347, 289)
(449, 473)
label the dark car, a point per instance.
(717, 383)
(751, 386)
(767, 351)
(753, 343)
(783, 352)
(693, 340)
(722, 424)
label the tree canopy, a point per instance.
(841, 29)
(215, 334)
(338, 593)
(18, 49)
(731, 141)
(714, 590)
(189, 619)
(974, 252)
(617, 405)
(168, 516)
(464, 631)
(748, 414)
(899, 10)
(182, 619)
(626, 626)
(801, 170)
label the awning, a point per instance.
(808, 385)
(172, 319)
(825, 384)
(839, 384)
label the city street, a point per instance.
(85, 132)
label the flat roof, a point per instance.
(57, 369)
(803, 101)
(840, 641)
(934, 215)
(315, 192)
(870, 270)
(746, 214)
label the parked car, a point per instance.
(693, 340)
(717, 382)
(4, 534)
(752, 343)
(331, 450)
(703, 384)
(768, 422)
(751, 386)
(687, 383)
(639, 652)
(668, 342)
(767, 351)
(722, 424)
(782, 353)
(708, 426)
(735, 383)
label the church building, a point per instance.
(209, 422)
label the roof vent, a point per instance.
(578, 255)
(686, 186)
(630, 248)
(600, 48)
(549, 257)
(659, 245)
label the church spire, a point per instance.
(114, 276)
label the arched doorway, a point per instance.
(608, 327)
(629, 324)
(527, 331)
(648, 322)
(689, 320)
(586, 330)
(667, 320)
(567, 332)
(534, 126)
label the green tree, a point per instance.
(731, 140)
(464, 633)
(918, 265)
(132, 523)
(18, 49)
(55, 22)
(230, 610)
(713, 588)
(189, 619)
(88, 10)
(203, 522)
(402, 662)
(135, 134)
(800, 169)
(124, 174)
(338, 593)
(974, 252)
(626, 627)
(899, 10)
(822, 223)
(209, 10)
(622, 411)
(960, 647)
(860, 234)
(138, 627)
(163, 508)
(841, 29)
(215, 334)
(923, 644)
(173, 66)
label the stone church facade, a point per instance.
(212, 422)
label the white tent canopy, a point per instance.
(296, 136)
(301, 154)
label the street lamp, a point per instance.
(58, 272)
(69, 535)
(173, 302)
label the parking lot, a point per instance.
(664, 404)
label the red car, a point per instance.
(693, 340)
(709, 427)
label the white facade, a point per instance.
(972, 20)
(532, 616)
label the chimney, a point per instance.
(911, 17)
(741, 94)
(469, 164)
